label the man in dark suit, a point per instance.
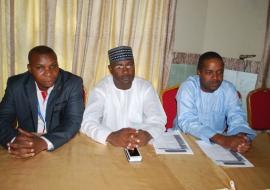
(46, 102)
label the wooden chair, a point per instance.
(169, 104)
(258, 108)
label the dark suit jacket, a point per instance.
(63, 114)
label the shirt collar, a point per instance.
(48, 91)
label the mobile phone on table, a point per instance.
(133, 155)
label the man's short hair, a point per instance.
(41, 50)
(206, 56)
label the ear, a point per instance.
(110, 68)
(29, 68)
(198, 72)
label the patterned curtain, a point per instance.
(27, 23)
(82, 31)
(146, 26)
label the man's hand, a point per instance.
(244, 147)
(123, 138)
(129, 138)
(142, 138)
(237, 143)
(26, 145)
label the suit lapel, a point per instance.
(31, 94)
(52, 99)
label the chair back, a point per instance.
(169, 104)
(258, 107)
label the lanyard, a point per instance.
(42, 117)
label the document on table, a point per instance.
(171, 142)
(222, 156)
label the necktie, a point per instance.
(44, 95)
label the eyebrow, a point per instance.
(124, 63)
(38, 65)
(55, 63)
(213, 70)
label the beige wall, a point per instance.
(190, 25)
(230, 27)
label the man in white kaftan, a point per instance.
(122, 109)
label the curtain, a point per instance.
(82, 31)
(143, 25)
(6, 69)
(169, 44)
(264, 72)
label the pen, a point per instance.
(231, 162)
(234, 163)
(171, 150)
(175, 150)
(237, 156)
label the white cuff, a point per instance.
(8, 144)
(12, 140)
(49, 143)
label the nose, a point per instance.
(125, 69)
(215, 76)
(47, 72)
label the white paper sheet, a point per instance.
(224, 157)
(171, 142)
